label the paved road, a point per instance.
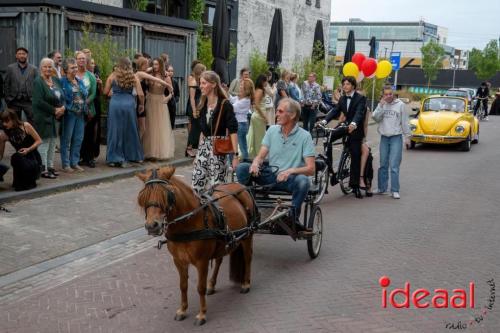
(443, 233)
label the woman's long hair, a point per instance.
(211, 77)
(11, 115)
(197, 70)
(124, 74)
(161, 69)
(248, 89)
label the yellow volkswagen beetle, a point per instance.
(445, 120)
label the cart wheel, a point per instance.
(316, 224)
(322, 184)
(344, 173)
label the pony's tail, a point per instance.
(237, 265)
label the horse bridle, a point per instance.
(170, 195)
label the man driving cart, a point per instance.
(290, 149)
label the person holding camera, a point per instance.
(392, 120)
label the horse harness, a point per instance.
(208, 204)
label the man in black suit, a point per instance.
(351, 109)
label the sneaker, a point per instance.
(124, 165)
(379, 192)
(67, 169)
(396, 195)
(78, 168)
(486, 118)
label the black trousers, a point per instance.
(22, 105)
(485, 106)
(355, 151)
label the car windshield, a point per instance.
(444, 104)
(458, 93)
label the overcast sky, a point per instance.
(470, 23)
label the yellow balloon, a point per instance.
(350, 69)
(384, 68)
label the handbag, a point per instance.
(221, 145)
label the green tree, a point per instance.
(432, 60)
(258, 64)
(140, 5)
(485, 63)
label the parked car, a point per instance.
(462, 92)
(445, 120)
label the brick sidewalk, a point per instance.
(101, 172)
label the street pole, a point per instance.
(454, 69)
(373, 92)
(396, 80)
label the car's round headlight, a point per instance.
(413, 127)
(459, 129)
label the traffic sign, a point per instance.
(395, 60)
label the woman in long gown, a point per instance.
(123, 143)
(259, 120)
(26, 161)
(158, 138)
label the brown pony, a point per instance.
(166, 200)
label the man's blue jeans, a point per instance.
(391, 150)
(242, 139)
(72, 138)
(297, 185)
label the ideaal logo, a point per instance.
(439, 299)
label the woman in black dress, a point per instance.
(191, 112)
(26, 161)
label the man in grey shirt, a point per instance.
(18, 84)
(392, 119)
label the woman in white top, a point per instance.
(241, 106)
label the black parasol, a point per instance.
(220, 41)
(373, 48)
(318, 52)
(275, 45)
(350, 47)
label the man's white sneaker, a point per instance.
(379, 192)
(486, 118)
(396, 195)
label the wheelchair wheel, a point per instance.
(322, 183)
(316, 224)
(343, 173)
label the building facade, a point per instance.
(404, 37)
(299, 22)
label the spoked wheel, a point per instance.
(344, 173)
(316, 224)
(323, 178)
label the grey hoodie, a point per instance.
(392, 118)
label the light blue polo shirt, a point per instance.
(290, 152)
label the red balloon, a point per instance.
(358, 59)
(369, 66)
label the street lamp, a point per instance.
(454, 69)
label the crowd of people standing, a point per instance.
(57, 107)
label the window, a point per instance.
(208, 16)
(318, 4)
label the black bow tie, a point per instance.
(349, 97)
